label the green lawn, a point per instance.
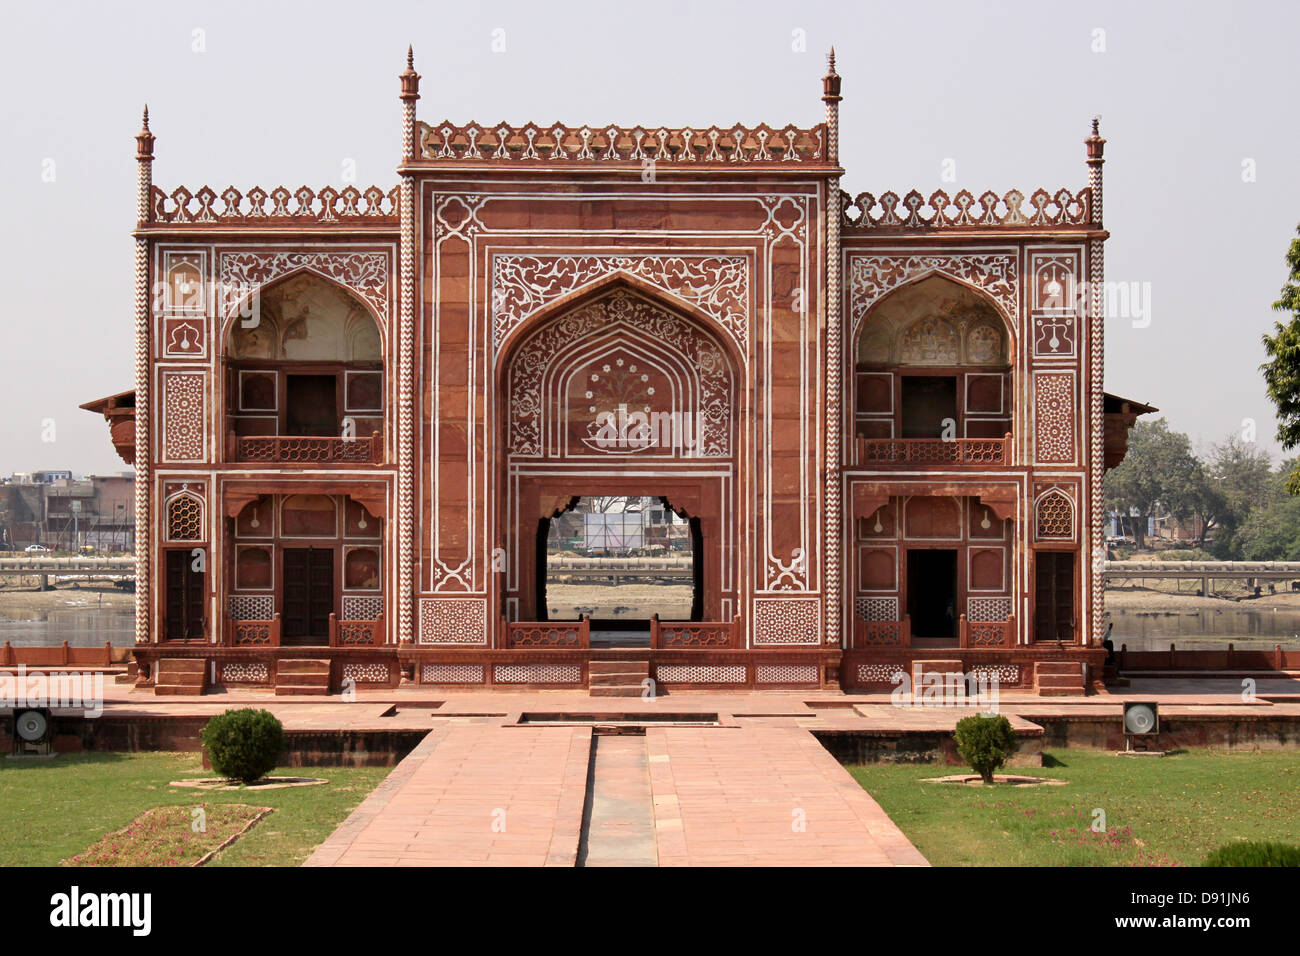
(54, 809)
(1159, 812)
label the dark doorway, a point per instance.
(932, 592)
(927, 401)
(1054, 617)
(185, 598)
(308, 595)
(311, 405)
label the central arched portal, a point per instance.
(619, 398)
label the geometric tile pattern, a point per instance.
(876, 608)
(451, 674)
(701, 674)
(453, 621)
(988, 608)
(537, 674)
(251, 607)
(787, 620)
(879, 673)
(362, 608)
(373, 673)
(253, 672)
(785, 674)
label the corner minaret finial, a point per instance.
(144, 139)
(1096, 159)
(410, 93)
(831, 97)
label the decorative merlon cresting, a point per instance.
(560, 144)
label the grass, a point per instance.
(1158, 812)
(54, 809)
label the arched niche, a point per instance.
(307, 360)
(933, 362)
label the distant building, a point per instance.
(65, 513)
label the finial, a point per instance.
(410, 79)
(1096, 145)
(144, 139)
(831, 81)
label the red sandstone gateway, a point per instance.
(357, 413)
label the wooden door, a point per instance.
(308, 595)
(1054, 612)
(311, 405)
(185, 596)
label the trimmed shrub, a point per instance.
(1255, 853)
(985, 743)
(243, 744)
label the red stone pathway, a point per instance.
(479, 794)
(472, 795)
(764, 796)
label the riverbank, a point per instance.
(19, 601)
(1152, 599)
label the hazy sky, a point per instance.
(1192, 96)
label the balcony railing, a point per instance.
(973, 635)
(977, 634)
(304, 449)
(572, 634)
(254, 633)
(883, 633)
(902, 452)
(356, 633)
(673, 635)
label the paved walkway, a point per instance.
(476, 794)
(472, 795)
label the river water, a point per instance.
(79, 626)
(1206, 629)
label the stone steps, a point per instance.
(1059, 679)
(297, 677)
(617, 678)
(180, 677)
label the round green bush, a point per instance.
(243, 744)
(985, 743)
(1252, 853)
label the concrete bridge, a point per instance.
(46, 566)
(667, 569)
(1203, 571)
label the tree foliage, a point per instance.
(1159, 476)
(1282, 370)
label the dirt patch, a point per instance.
(999, 779)
(266, 783)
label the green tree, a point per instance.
(1271, 532)
(1157, 477)
(1243, 475)
(1282, 370)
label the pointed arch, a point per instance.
(185, 517)
(935, 318)
(599, 288)
(252, 305)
